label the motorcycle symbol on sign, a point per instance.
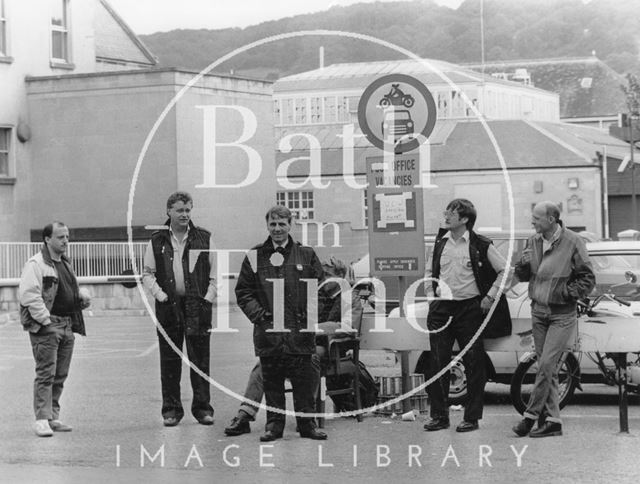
(395, 97)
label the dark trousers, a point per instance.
(304, 374)
(198, 352)
(466, 319)
(52, 347)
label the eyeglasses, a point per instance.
(450, 213)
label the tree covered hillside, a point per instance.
(514, 29)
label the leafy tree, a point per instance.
(632, 94)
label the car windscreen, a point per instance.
(617, 274)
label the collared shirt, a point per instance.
(456, 270)
(546, 244)
(284, 245)
(178, 244)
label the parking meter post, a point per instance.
(623, 403)
(404, 354)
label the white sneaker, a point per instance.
(58, 426)
(42, 429)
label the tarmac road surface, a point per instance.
(112, 400)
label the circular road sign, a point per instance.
(397, 112)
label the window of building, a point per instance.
(60, 31)
(287, 111)
(343, 109)
(301, 110)
(300, 204)
(3, 30)
(5, 145)
(330, 109)
(277, 120)
(315, 110)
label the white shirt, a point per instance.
(456, 270)
(149, 278)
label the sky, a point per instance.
(149, 16)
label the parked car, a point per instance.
(617, 269)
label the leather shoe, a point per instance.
(467, 426)
(58, 426)
(313, 434)
(436, 424)
(549, 429)
(238, 426)
(170, 421)
(206, 420)
(270, 436)
(523, 427)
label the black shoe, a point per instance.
(238, 426)
(549, 429)
(437, 424)
(171, 421)
(270, 436)
(313, 434)
(542, 418)
(467, 426)
(523, 427)
(205, 420)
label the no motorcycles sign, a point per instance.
(397, 112)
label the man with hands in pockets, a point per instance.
(184, 293)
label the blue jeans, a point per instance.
(52, 347)
(552, 335)
(254, 392)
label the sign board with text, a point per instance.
(395, 214)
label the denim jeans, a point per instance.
(52, 347)
(552, 335)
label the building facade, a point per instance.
(48, 38)
(505, 155)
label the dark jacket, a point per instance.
(38, 289)
(197, 311)
(254, 294)
(560, 276)
(500, 323)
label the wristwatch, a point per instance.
(490, 298)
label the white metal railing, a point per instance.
(89, 259)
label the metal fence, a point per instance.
(89, 259)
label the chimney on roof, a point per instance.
(321, 53)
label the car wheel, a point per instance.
(525, 374)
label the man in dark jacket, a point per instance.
(184, 294)
(468, 272)
(51, 311)
(272, 292)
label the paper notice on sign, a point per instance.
(393, 209)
